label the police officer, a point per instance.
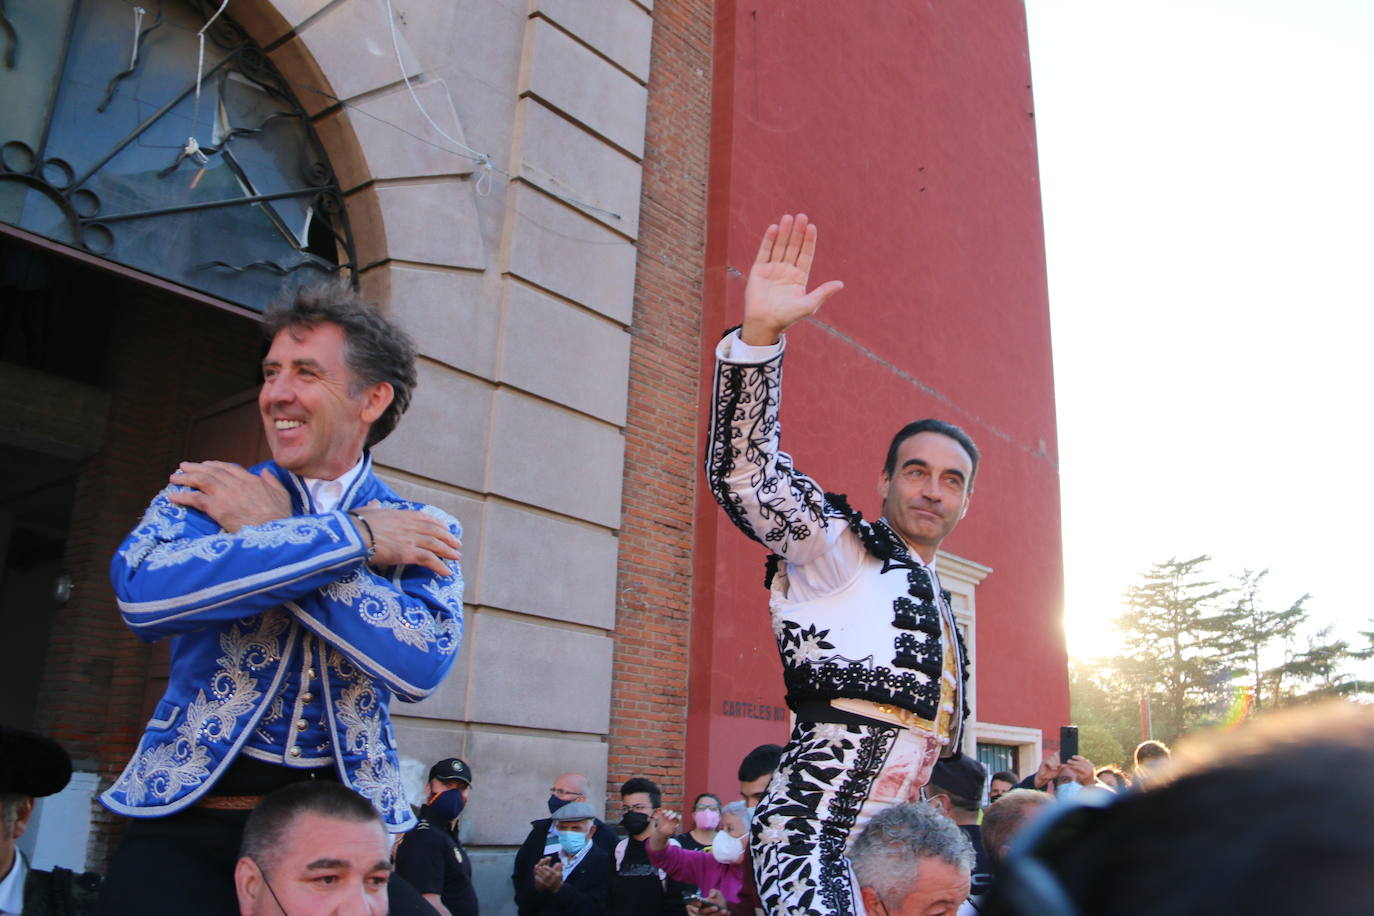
(431, 857)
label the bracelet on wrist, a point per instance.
(371, 538)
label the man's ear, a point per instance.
(22, 812)
(942, 802)
(963, 510)
(591, 829)
(249, 883)
(376, 399)
(871, 900)
(884, 481)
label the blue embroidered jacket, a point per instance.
(289, 646)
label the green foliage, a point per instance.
(1318, 671)
(1251, 627)
(1189, 644)
(1100, 745)
(1176, 644)
(1099, 707)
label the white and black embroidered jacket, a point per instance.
(289, 646)
(855, 614)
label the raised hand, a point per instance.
(1049, 769)
(775, 297)
(229, 494)
(665, 824)
(405, 537)
(1081, 769)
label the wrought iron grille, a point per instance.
(100, 100)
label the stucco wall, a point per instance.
(519, 289)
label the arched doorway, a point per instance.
(131, 271)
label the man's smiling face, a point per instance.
(315, 414)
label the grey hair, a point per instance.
(740, 810)
(886, 855)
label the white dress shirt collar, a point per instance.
(327, 494)
(12, 887)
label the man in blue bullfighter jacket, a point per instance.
(303, 594)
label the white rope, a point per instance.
(138, 26)
(483, 184)
(192, 147)
(474, 155)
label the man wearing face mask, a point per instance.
(576, 881)
(431, 857)
(640, 888)
(956, 790)
(542, 840)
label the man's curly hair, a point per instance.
(376, 350)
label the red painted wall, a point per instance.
(908, 135)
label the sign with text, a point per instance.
(744, 709)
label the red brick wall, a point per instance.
(908, 136)
(166, 361)
(653, 614)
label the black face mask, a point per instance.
(634, 823)
(555, 803)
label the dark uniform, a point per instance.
(432, 859)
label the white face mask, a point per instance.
(727, 849)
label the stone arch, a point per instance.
(406, 187)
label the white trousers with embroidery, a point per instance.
(830, 783)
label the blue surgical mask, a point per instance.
(1067, 791)
(447, 805)
(572, 841)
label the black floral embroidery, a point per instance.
(913, 681)
(799, 855)
(744, 428)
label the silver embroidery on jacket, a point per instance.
(358, 710)
(267, 536)
(415, 626)
(162, 771)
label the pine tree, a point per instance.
(1174, 645)
(1250, 627)
(1320, 671)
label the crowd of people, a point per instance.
(305, 595)
(1256, 820)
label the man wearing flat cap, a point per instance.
(431, 857)
(32, 766)
(957, 786)
(575, 882)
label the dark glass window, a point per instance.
(997, 757)
(94, 154)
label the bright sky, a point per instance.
(1208, 187)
